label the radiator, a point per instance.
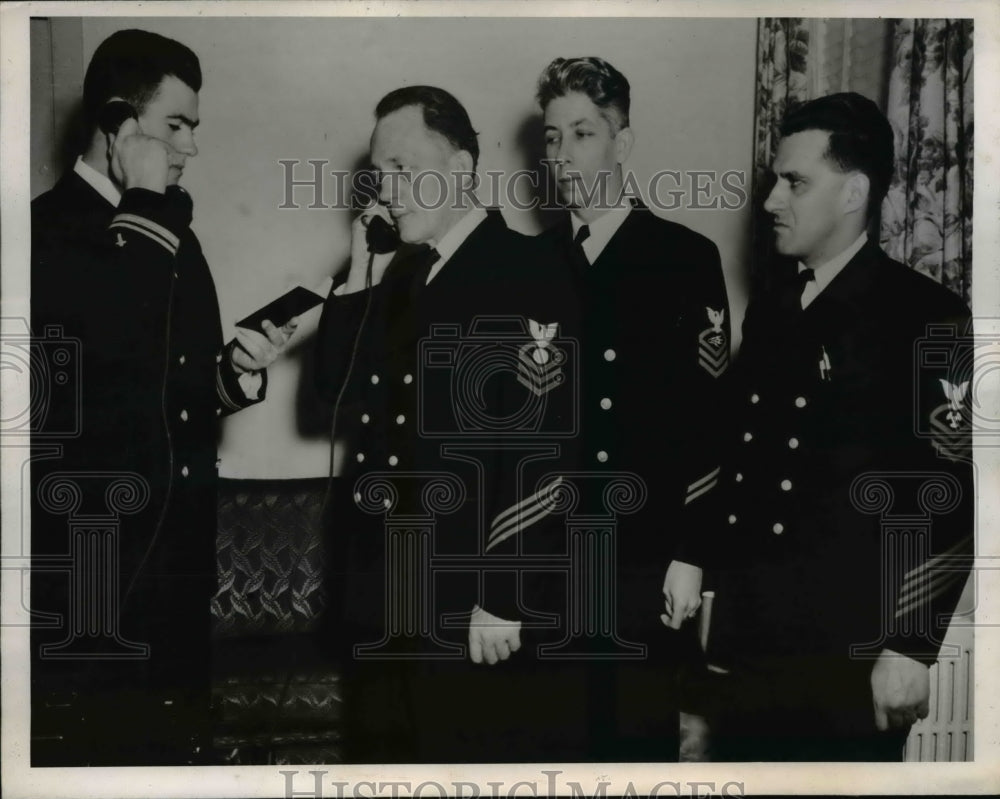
(946, 733)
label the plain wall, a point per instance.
(306, 89)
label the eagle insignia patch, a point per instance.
(539, 362)
(951, 437)
(713, 345)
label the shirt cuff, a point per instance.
(251, 382)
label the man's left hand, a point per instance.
(255, 351)
(901, 690)
(491, 638)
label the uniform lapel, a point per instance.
(407, 311)
(573, 260)
(474, 250)
(843, 299)
(850, 290)
(91, 213)
(839, 328)
(616, 252)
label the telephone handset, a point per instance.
(381, 236)
(113, 114)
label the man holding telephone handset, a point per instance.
(115, 265)
(451, 693)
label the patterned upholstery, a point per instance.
(277, 694)
(270, 557)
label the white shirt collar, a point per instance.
(826, 272)
(602, 229)
(100, 183)
(453, 239)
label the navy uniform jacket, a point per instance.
(131, 286)
(444, 382)
(841, 439)
(655, 350)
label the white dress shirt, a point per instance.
(826, 272)
(454, 238)
(601, 230)
(100, 183)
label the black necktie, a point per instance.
(791, 296)
(578, 257)
(424, 262)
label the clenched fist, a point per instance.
(140, 161)
(901, 690)
(491, 638)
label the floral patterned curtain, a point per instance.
(927, 216)
(782, 51)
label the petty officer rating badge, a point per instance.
(950, 437)
(713, 348)
(540, 361)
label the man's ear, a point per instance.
(461, 161)
(624, 139)
(856, 190)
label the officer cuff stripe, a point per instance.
(502, 518)
(148, 234)
(220, 389)
(149, 224)
(156, 232)
(702, 480)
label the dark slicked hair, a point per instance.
(131, 64)
(442, 113)
(860, 137)
(606, 87)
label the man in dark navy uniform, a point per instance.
(827, 616)
(445, 360)
(116, 266)
(655, 344)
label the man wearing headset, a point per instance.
(116, 266)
